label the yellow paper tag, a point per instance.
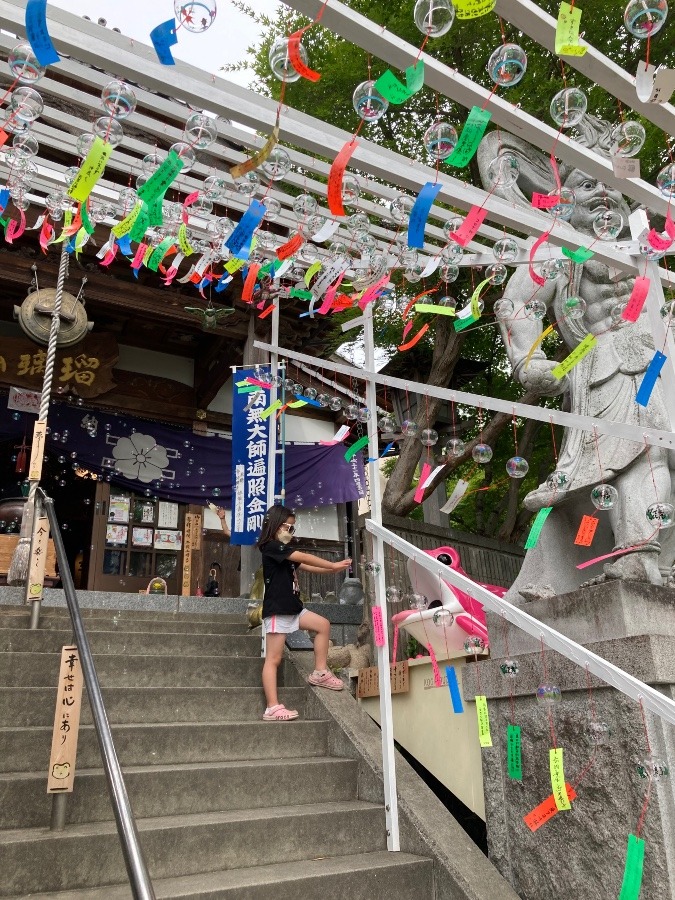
(534, 346)
(475, 297)
(484, 737)
(259, 158)
(311, 272)
(185, 246)
(567, 32)
(124, 227)
(473, 9)
(91, 170)
(562, 801)
(575, 356)
(148, 254)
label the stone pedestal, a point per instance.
(581, 853)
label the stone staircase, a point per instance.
(227, 806)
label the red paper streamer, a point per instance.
(537, 244)
(249, 284)
(420, 334)
(290, 247)
(415, 299)
(469, 226)
(636, 300)
(266, 313)
(337, 171)
(424, 474)
(296, 60)
(189, 200)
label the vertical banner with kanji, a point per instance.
(250, 438)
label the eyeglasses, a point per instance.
(289, 528)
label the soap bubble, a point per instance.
(410, 428)
(665, 180)
(440, 140)
(568, 107)
(504, 170)
(497, 273)
(505, 250)
(661, 515)
(195, 15)
(608, 225)
(643, 18)
(277, 165)
(507, 65)
(574, 307)
(535, 309)
(368, 102)
(474, 645)
(517, 467)
(428, 437)
(24, 65)
(604, 496)
(118, 100)
(627, 138)
(201, 130)
(393, 595)
(434, 17)
(548, 694)
(509, 668)
(654, 769)
(482, 453)
(454, 447)
(564, 208)
(503, 309)
(400, 208)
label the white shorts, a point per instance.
(283, 624)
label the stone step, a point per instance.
(234, 619)
(145, 705)
(27, 749)
(148, 643)
(115, 622)
(175, 790)
(42, 669)
(87, 856)
(365, 876)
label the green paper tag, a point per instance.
(160, 182)
(575, 356)
(302, 295)
(155, 213)
(394, 90)
(470, 138)
(354, 449)
(537, 525)
(159, 253)
(140, 225)
(581, 255)
(461, 324)
(632, 875)
(513, 753)
(87, 224)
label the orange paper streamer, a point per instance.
(296, 60)
(249, 284)
(290, 247)
(420, 334)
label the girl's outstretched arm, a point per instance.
(318, 564)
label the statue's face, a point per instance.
(593, 197)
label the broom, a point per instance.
(18, 568)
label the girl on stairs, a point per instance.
(283, 611)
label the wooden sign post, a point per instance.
(369, 680)
(192, 541)
(37, 451)
(66, 723)
(38, 559)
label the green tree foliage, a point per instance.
(476, 359)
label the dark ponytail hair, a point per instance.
(274, 519)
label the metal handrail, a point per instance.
(137, 869)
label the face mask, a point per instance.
(284, 537)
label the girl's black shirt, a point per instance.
(282, 592)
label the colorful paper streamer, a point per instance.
(557, 770)
(354, 449)
(484, 736)
(163, 37)
(575, 357)
(38, 33)
(453, 686)
(394, 90)
(537, 525)
(567, 32)
(634, 869)
(420, 213)
(514, 758)
(471, 136)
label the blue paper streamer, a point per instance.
(38, 33)
(124, 243)
(650, 378)
(222, 284)
(4, 200)
(239, 242)
(453, 684)
(420, 214)
(383, 454)
(163, 37)
(308, 401)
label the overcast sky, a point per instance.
(225, 41)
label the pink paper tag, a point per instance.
(372, 291)
(394, 649)
(140, 255)
(658, 241)
(434, 667)
(189, 200)
(636, 300)
(378, 627)
(15, 229)
(419, 493)
(670, 225)
(537, 244)
(110, 255)
(543, 201)
(469, 226)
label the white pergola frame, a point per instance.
(88, 45)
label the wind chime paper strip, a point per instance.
(326, 231)
(312, 271)
(239, 242)
(567, 32)
(339, 436)
(544, 201)
(438, 681)
(394, 90)
(124, 227)
(586, 531)
(419, 492)
(475, 298)
(249, 283)
(659, 242)
(557, 770)
(291, 247)
(378, 626)
(470, 138)
(484, 736)
(535, 276)
(625, 167)
(159, 253)
(38, 33)
(636, 300)
(473, 9)
(469, 227)
(335, 176)
(186, 247)
(163, 37)
(514, 759)
(546, 810)
(420, 214)
(537, 525)
(649, 379)
(654, 85)
(434, 309)
(91, 170)
(453, 686)
(575, 357)
(461, 324)
(258, 158)
(354, 449)
(582, 255)
(418, 337)
(633, 871)
(425, 482)
(266, 413)
(160, 181)
(456, 497)
(545, 333)
(296, 59)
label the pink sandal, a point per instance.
(326, 680)
(279, 713)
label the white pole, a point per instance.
(386, 712)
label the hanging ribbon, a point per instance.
(337, 171)
(418, 337)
